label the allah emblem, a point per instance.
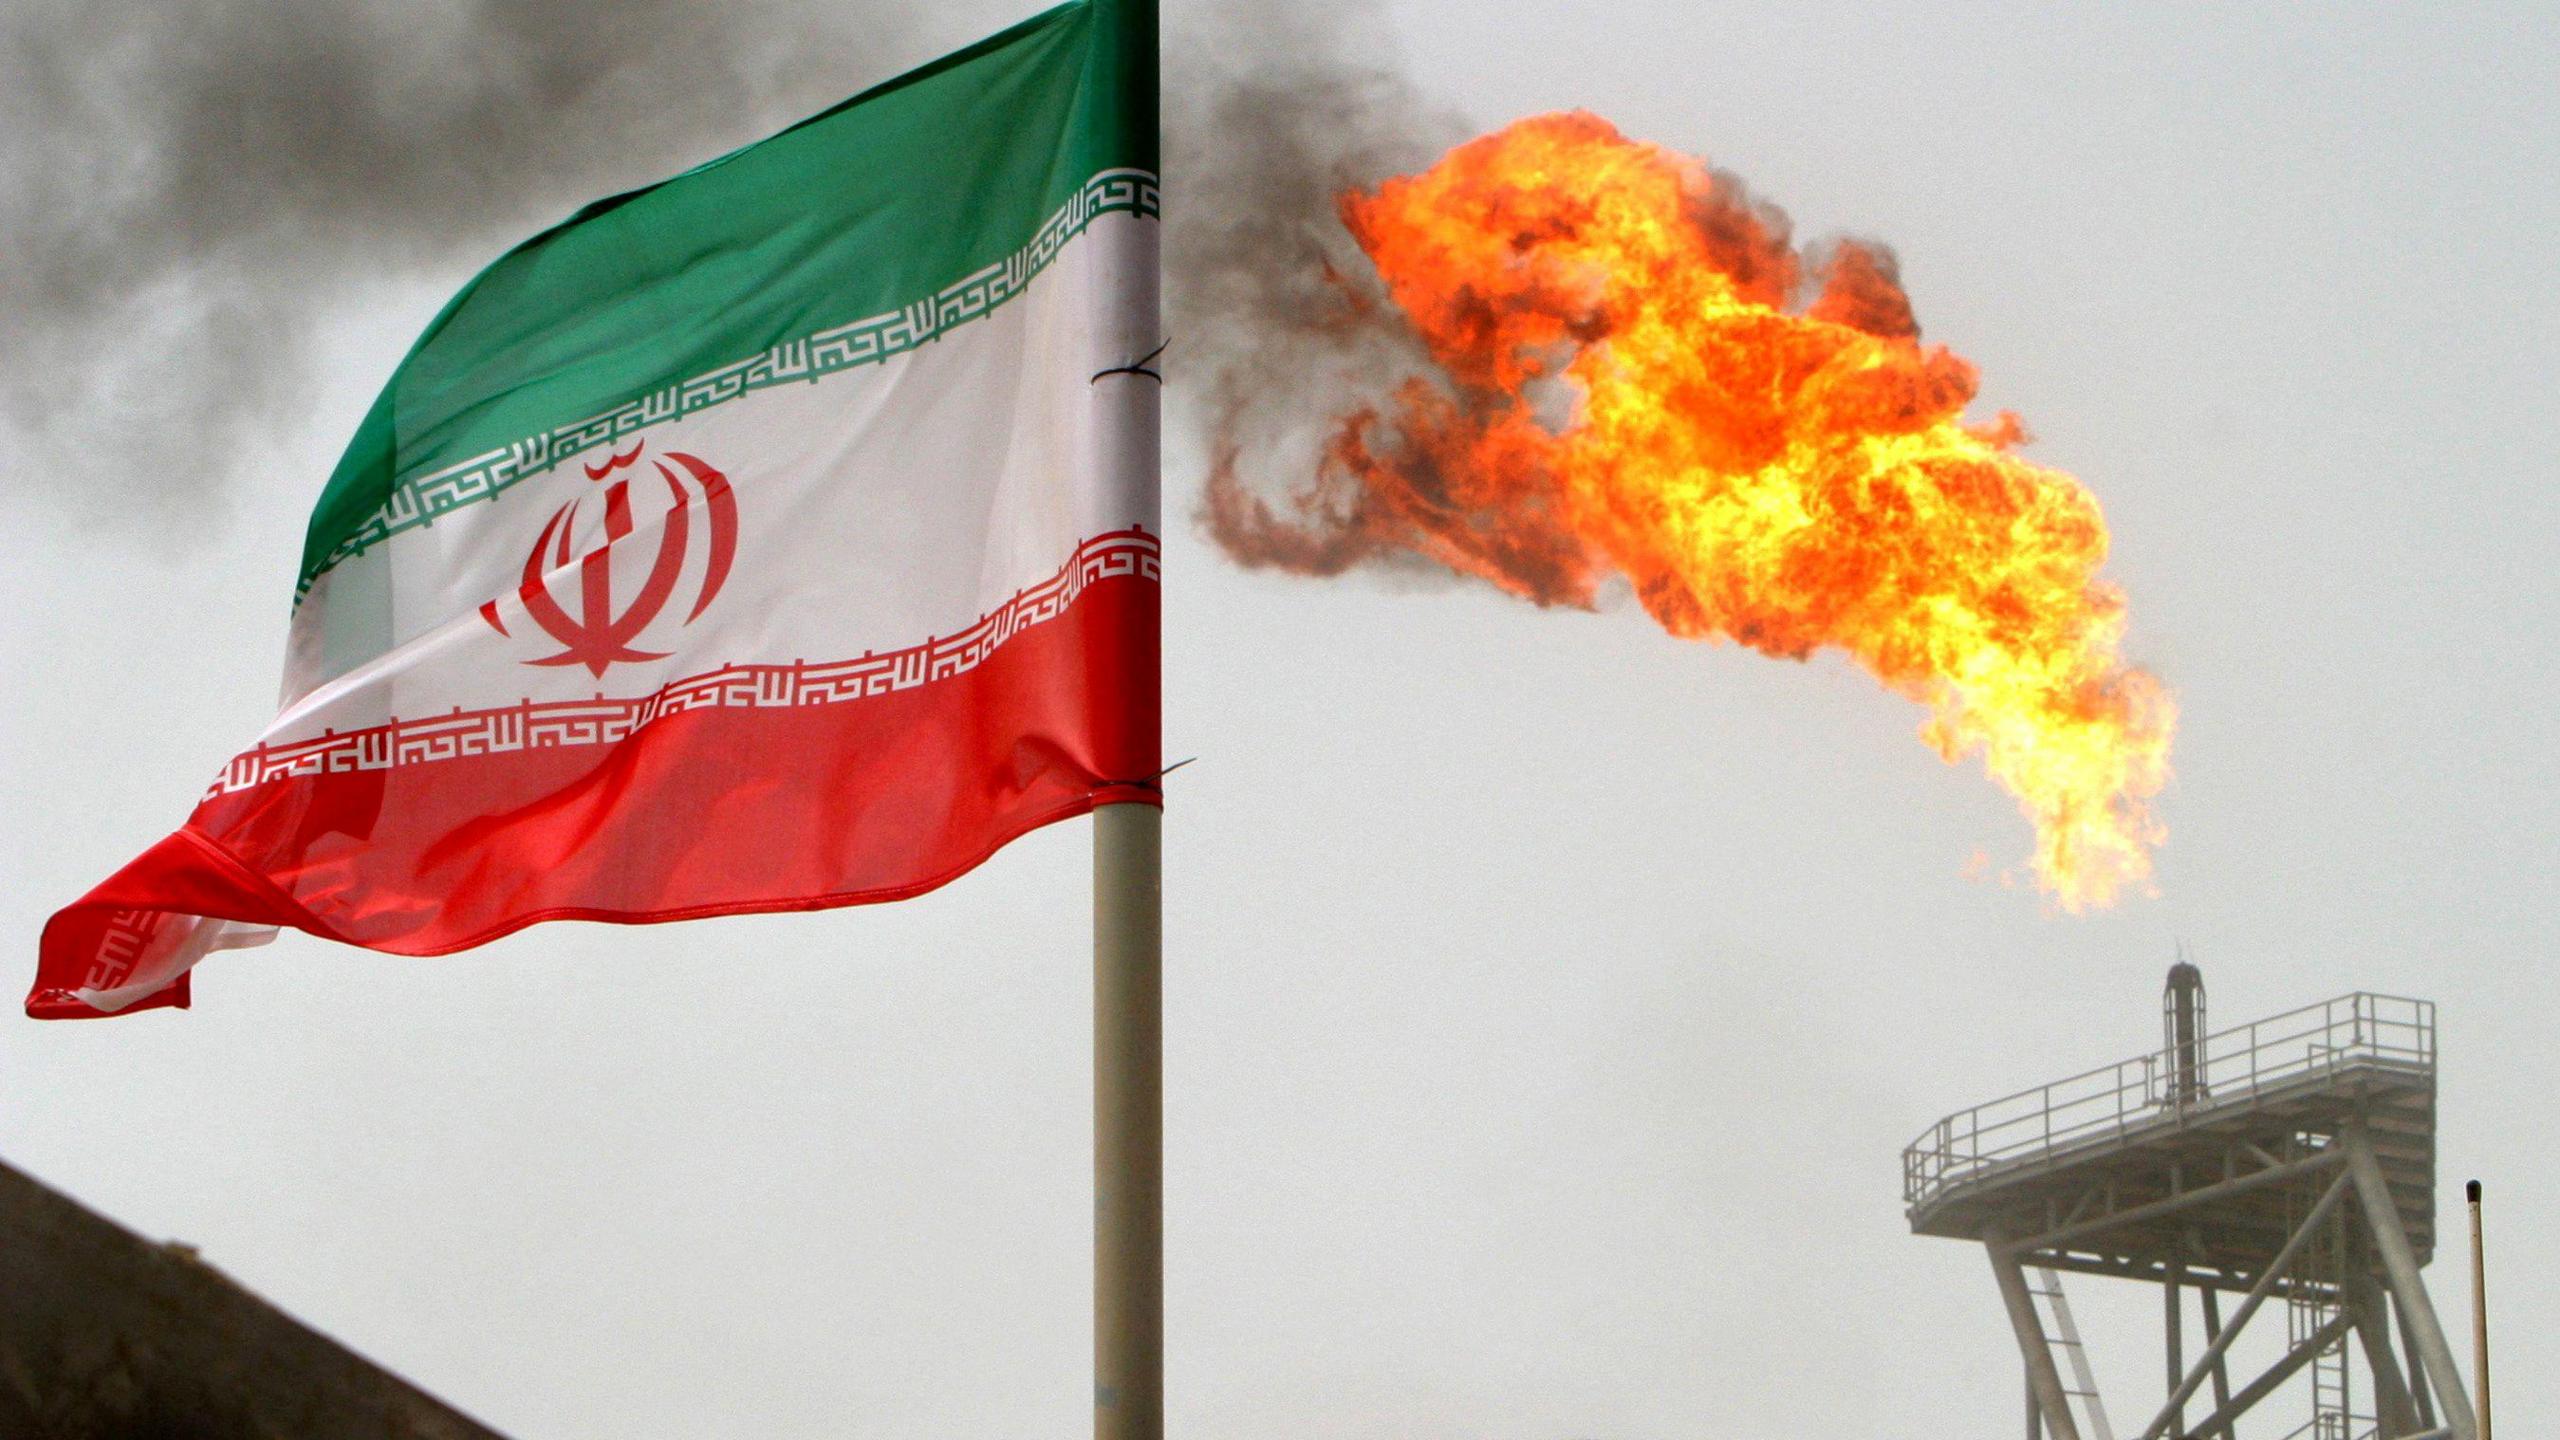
(603, 633)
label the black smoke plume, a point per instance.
(187, 189)
(187, 192)
(1278, 322)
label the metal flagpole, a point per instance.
(1128, 888)
(1128, 1124)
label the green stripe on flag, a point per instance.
(856, 233)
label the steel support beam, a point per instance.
(2220, 1421)
(2399, 1414)
(2400, 1266)
(2257, 1296)
(2213, 1332)
(2416, 1371)
(2203, 1195)
(2043, 1381)
(2174, 1323)
(2106, 1269)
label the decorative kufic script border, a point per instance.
(416, 501)
(120, 948)
(552, 724)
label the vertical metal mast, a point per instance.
(2479, 1311)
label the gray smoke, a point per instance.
(1279, 324)
(187, 190)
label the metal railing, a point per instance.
(2149, 1091)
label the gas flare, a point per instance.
(1627, 385)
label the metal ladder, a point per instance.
(2332, 1402)
(2310, 1303)
(2054, 1319)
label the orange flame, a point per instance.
(1629, 393)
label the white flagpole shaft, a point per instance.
(1128, 1124)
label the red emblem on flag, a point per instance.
(600, 634)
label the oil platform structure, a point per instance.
(2289, 1161)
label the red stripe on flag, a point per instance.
(709, 812)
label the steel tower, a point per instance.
(2291, 1159)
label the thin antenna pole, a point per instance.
(2479, 1312)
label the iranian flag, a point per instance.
(780, 536)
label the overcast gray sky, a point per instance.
(1548, 1000)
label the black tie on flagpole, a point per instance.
(1153, 783)
(1141, 367)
